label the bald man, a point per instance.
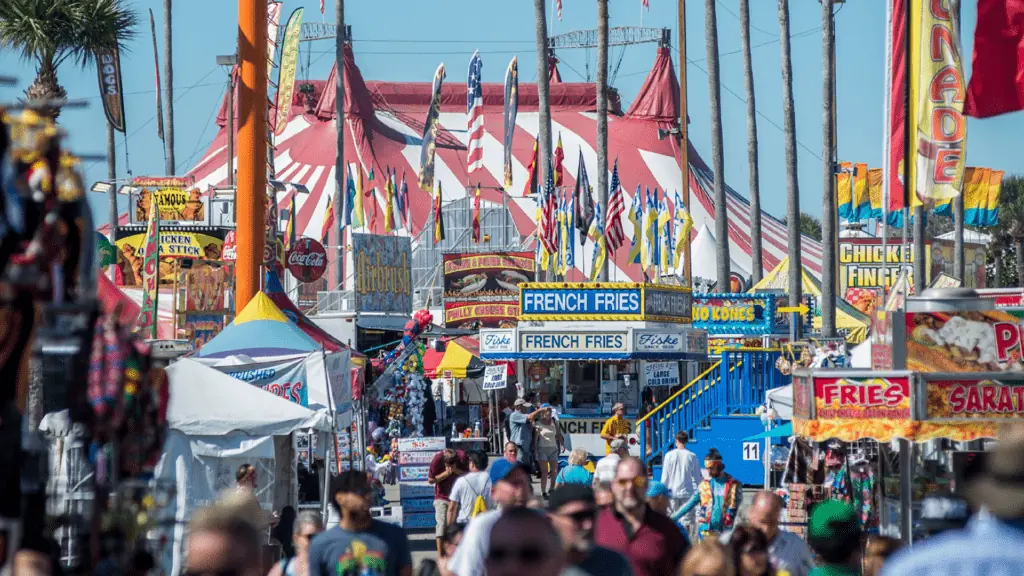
(523, 541)
(788, 552)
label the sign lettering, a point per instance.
(572, 342)
(982, 399)
(734, 313)
(862, 398)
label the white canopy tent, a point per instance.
(216, 423)
(781, 399)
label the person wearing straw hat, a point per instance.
(993, 540)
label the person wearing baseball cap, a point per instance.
(510, 487)
(657, 496)
(833, 532)
(520, 429)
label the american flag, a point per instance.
(475, 108)
(548, 225)
(614, 234)
(646, 4)
(322, 6)
(558, 6)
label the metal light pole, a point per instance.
(684, 142)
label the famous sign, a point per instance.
(383, 273)
(307, 260)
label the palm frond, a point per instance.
(103, 25)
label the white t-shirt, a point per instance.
(604, 470)
(466, 489)
(469, 557)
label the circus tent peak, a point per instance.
(384, 128)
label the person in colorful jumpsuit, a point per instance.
(718, 496)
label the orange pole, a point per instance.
(251, 185)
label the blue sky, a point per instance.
(406, 39)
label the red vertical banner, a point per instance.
(897, 86)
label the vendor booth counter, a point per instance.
(586, 347)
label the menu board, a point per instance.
(414, 457)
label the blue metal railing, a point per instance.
(734, 384)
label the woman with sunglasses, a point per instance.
(308, 524)
(750, 552)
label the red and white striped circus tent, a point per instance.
(384, 123)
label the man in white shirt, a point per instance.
(604, 470)
(680, 472)
(468, 488)
(510, 486)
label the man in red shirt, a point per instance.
(445, 468)
(651, 541)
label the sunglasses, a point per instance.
(530, 555)
(638, 482)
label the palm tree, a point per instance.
(757, 266)
(49, 32)
(717, 154)
(602, 117)
(792, 185)
(828, 210)
(540, 27)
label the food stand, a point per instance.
(948, 368)
(589, 346)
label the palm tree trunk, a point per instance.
(168, 92)
(757, 265)
(828, 196)
(1018, 245)
(602, 120)
(540, 26)
(717, 154)
(997, 267)
(112, 193)
(792, 184)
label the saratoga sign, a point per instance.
(307, 260)
(959, 399)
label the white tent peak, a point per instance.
(236, 360)
(703, 250)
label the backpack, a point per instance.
(479, 504)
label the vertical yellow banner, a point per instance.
(938, 127)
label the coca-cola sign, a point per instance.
(307, 260)
(229, 250)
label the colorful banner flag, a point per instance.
(844, 192)
(564, 234)
(684, 223)
(438, 217)
(325, 229)
(996, 85)
(559, 157)
(108, 70)
(151, 273)
(583, 199)
(666, 247)
(475, 110)
(861, 200)
(156, 68)
(636, 217)
(403, 199)
(616, 206)
(875, 176)
(286, 75)
(531, 173)
(370, 192)
(289, 228)
(355, 210)
(547, 222)
(389, 202)
(426, 180)
(650, 232)
(596, 236)
(571, 224)
(509, 112)
(938, 126)
(895, 113)
(476, 215)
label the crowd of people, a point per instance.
(618, 522)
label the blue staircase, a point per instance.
(734, 385)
